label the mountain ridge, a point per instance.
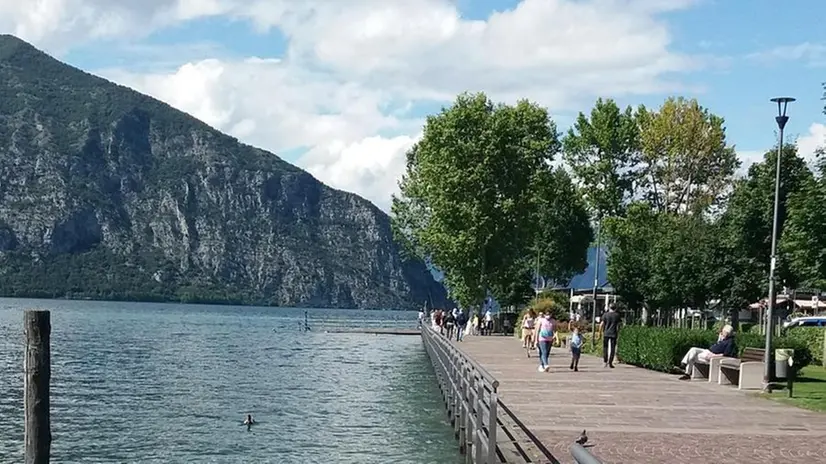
(109, 193)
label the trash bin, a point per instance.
(781, 362)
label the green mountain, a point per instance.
(108, 193)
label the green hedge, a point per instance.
(812, 337)
(662, 349)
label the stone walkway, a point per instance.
(634, 415)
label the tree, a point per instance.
(803, 242)
(630, 240)
(686, 164)
(661, 260)
(681, 261)
(563, 232)
(467, 198)
(602, 153)
(746, 226)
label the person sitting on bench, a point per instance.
(724, 347)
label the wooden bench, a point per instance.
(745, 372)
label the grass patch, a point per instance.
(809, 390)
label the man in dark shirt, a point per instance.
(609, 328)
(461, 323)
(725, 346)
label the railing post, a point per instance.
(480, 431)
(463, 418)
(37, 368)
(458, 408)
(452, 403)
(492, 423)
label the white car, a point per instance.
(808, 321)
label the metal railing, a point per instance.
(471, 397)
(469, 392)
(582, 456)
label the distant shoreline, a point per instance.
(154, 299)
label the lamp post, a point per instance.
(596, 284)
(782, 119)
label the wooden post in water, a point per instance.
(37, 367)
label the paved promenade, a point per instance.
(637, 416)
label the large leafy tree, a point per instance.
(686, 163)
(681, 165)
(632, 237)
(562, 234)
(682, 261)
(746, 227)
(661, 260)
(602, 151)
(563, 231)
(803, 242)
(468, 197)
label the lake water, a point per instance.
(168, 383)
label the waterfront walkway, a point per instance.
(638, 416)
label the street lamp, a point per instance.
(596, 284)
(782, 119)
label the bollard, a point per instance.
(38, 370)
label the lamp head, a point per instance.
(782, 103)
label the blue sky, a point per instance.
(347, 84)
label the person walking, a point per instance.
(609, 329)
(450, 324)
(487, 328)
(527, 331)
(461, 322)
(576, 349)
(545, 334)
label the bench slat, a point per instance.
(752, 354)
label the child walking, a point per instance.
(576, 349)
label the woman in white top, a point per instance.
(527, 330)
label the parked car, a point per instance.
(807, 321)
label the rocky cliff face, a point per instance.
(108, 193)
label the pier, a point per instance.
(486, 429)
(631, 415)
(376, 331)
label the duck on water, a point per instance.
(249, 421)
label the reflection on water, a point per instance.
(172, 383)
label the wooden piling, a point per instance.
(38, 371)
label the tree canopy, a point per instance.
(602, 151)
(482, 200)
(477, 193)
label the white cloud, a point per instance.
(812, 53)
(371, 167)
(809, 143)
(56, 25)
(807, 146)
(747, 158)
(350, 63)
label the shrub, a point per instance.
(545, 304)
(662, 349)
(812, 337)
(586, 346)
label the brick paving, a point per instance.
(638, 416)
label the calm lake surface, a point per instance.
(169, 383)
